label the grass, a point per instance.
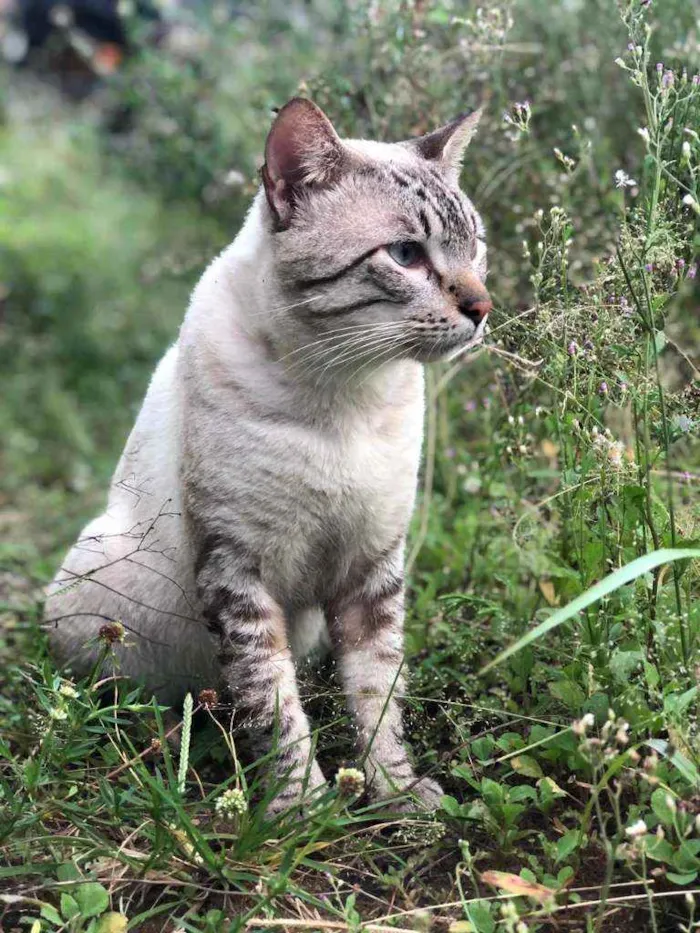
(554, 619)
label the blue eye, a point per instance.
(406, 252)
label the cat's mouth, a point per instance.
(452, 345)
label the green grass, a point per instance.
(553, 636)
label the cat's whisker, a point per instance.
(395, 353)
(355, 328)
(350, 353)
(321, 349)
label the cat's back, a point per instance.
(131, 564)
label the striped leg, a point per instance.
(257, 668)
(367, 629)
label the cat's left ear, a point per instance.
(447, 145)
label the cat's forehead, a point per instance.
(383, 152)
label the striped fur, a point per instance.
(261, 504)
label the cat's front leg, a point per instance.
(367, 630)
(257, 667)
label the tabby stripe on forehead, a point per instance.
(334, 276)
(419, 190)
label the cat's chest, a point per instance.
(350, 501)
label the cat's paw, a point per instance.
(421, 796)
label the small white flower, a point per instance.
(622, 180)
(59, 714)
(230, 803)
(690, 201)
(66, 690)
(636, 829)
(644, 133)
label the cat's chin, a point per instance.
(450, 349)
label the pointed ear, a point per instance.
(302, 150)
(446, 146)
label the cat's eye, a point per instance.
(406, 252)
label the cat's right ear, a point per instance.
(302, 149)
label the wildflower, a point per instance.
(470, 405)
(622, 180)
(603, 388)
(580, 726)
(208, 698)
(621, 736)
(668, 79)
(680, 264)
(692, 270)
(636, 829)
(696, 80)
(659, 67)
(690, 201)
(684, 424)
(58, 714)
(572, 348)
(649, 267)
(112, 632)
(350, 782)
(685, 152)
(644, 133)
(67, 690)
(231, 803)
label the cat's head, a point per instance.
(378, 253)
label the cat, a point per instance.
(261, 504)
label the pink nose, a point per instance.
(476, 311)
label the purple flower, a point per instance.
(696, 79)
(659, 67)
(572, 348)
(450, 453)
(470, 405)
(680, 264)
(649, 267)
(692, 270)
(668, 79)
(630, 46)
(603, 388)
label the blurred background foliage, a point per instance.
(109, 208)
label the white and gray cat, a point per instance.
(261, 504)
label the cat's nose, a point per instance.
(476, 311)
(471, 298)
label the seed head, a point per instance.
(350, 782)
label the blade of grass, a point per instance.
(603, 588)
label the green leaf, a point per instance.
(680, 762)
(685, 878)
(661, 804)
(568, 692)
(69, 906)
(68, 872)
(51, 914)
(480, 916)
(623, 663)
(450, 806)
(567, 844)
(527, 765)
(603, 588)
(92, 899)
